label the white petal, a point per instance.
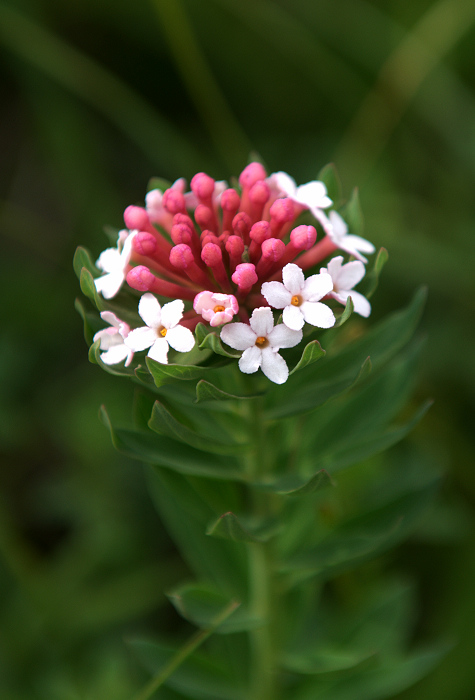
(126, 252)
(339, 227)
(359, 243)
(323, 219)
(250, 360)
(293, 278)
(108, 285)
(313, 194)
(318, 314)
(172, 313)
(334, 268)
(180, 338)
(203, 300)
(159, 351)
(110, 318)
(150, 310)
(238, 336)
(350, 274)
(262, 321)
(141, 338)
(284, 337)
(284, 183)
(276, 294)
(108, 337)
(274, 366)
(117, 354)
(109, 260)
(293, 317)
(317, 286)
(360, 303)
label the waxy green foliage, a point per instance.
(249, 479)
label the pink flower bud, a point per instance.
(259, 192)
(260, 232)
(136, 218)
(181, 233)
(230, 200)
(181, 256)
(303, 237)
(273, 249)
(174, 201)
(205, 218)
(282, 210)
(251, 174)
(144, 243)
(202, 186)
(245, 277)
(211, 254)
(242, 225)
(140, 278)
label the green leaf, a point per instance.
(372, 278)
(348, 310)
(324, 660)
(163, 422)
(229, 527)
(285, 487)
(312, 352)
(162, 451)
(165, 374)
(118, 370)
(311, 395)
(205, 391)
(88, 288)
(329, 176)
(82, 258)
(158, 183)
(211, 341)
(201, 603)
(198, 676)
(88, 319)
(353, 214)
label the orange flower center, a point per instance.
(218, 308)
(163, 332)
(261, 342)
(296, 300)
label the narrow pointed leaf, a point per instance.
(329, 176)
(348, 310)
(353, 214)
(312, 352)
(206, 391)
(212, 341)
(88, 288)
(372, 279)
(229, 527)
(163, 422)
(82, 258)
(200, 604)
(164, 374)
(162, 451)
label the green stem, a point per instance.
(182, 654)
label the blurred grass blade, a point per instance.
(399, 80)
(229, 138)
(101, 89)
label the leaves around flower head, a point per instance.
(353, 214)
(308, 389)
(206, 391)
(201, 603)
(294, 486)
(163, 451)
(211, 340)
(372, 278)
(163, 374)
(329, 176)
(229, 526)
(311, 353)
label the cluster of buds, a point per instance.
(228, 256)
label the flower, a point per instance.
(260, 342)
(300, 298)
(344, 279)
(162, 329)
(216, 308)
(354, 245)
(114, 262)
(113, 340)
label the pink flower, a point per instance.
(162, 329)
(261, 342)
(344, 278)
(113, 340)
(216, 308)
(300, 298)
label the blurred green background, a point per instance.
(98, 96)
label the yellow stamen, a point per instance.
(296, 300)
(163, 332)
(218, 308)
(261, 341)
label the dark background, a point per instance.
(98, 96)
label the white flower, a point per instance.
(354, 245)
(112, 340)
(216, 308)
(344, 279)
(313, 195)
(260, 342)
(114, 262)
(162, 329)
(300, 298)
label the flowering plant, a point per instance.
(250, 280)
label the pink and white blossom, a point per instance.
(354, 245)
(300, 298)
(113, 340)
(162, 330)
(216, 308)
(312, 195)
(344, 278)
(115, 263)
(260, 342)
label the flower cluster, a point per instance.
(221, 252)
